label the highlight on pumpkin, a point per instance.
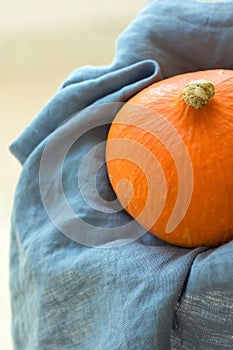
(131, 160)
(186, 123)
(125, 187)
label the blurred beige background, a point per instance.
(40, 44)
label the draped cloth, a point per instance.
(84, 275)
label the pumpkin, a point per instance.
(169, 156)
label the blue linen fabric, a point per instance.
(145, 294)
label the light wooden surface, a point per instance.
(40, 44)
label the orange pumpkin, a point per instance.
(169, 158)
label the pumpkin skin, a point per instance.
(161, 151)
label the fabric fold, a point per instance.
(180, 36)
(120, 85)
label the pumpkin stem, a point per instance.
(198, 92)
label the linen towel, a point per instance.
(84, 275)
